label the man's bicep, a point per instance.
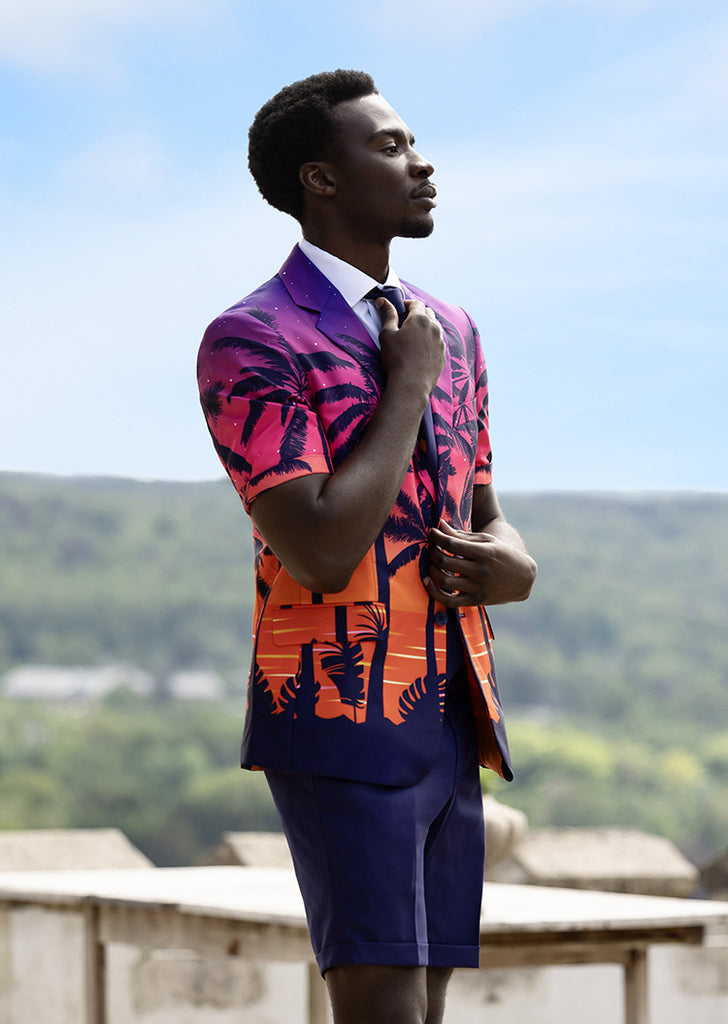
(284, 516)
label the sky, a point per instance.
(581, 157)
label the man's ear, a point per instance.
(318, 178)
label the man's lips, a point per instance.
(425, 193)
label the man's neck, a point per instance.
(370, 258)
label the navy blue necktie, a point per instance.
(426, 444)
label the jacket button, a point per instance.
(441, 618)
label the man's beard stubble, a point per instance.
(416, 227)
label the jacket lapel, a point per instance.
(311, 290)
(441, 404)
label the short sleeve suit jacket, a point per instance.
(349, 684)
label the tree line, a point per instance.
(613, 673)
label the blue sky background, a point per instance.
(581, 155)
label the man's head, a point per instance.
(298, 125)
(333, 153)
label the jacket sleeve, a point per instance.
(257, 406)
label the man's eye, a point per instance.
(391, 148)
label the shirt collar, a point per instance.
(349, 280)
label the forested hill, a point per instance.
(627, 623)
(157, 574)
(615, 671)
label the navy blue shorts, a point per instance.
(392, 875)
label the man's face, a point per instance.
(382, 187)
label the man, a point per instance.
(354, 426)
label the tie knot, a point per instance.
(393, 294)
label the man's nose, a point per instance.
(421, 168)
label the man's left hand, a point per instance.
(476, 568)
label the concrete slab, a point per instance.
(251, 849)
(609, 859)
(714, 877)
(45, 849)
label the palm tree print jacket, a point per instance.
(348, 684)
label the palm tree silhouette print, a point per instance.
(345, 668)
(210, 399)
(263, 695)
(410, 700)
(368, 357)
(299, 693)
(377, 630)
(355, 416)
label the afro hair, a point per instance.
(297, 125)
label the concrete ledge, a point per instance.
(49, 849)
(251, 849)
(610, 859)
(714, 877)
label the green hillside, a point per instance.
(614, 673)
(153, 573)
(627, 624)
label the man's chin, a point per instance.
(417, 227)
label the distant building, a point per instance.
(195, 684)
(62, 684)
(75, 682)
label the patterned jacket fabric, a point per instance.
(349, 684)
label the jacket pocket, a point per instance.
(356, 622)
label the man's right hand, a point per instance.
(413, 355)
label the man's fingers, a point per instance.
(450, 598)
(456, 572)
(459, 542)
(417, 306)
(387, 314)
(456, 542)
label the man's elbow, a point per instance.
(323, 576)
(529, 580)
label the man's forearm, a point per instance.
(320, 527)
(500, 527)
(356, 501)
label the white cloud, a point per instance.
(52, 35)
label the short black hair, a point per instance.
(297, 125)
